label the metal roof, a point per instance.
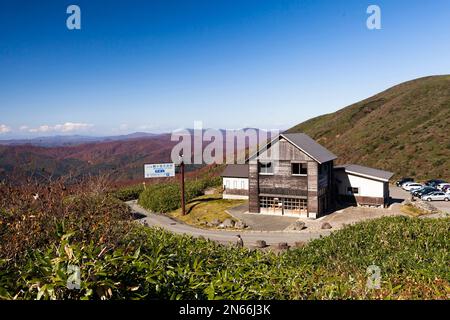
(309, 146)
(366, 171)
(236, 171)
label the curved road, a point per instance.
(224, 236)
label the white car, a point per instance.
(412, 186)
(442, 185)
(436, 196)
(404, 185)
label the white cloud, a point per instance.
(70, 126)
(44, 128)
(146, 127)
(23, 128)
(63, 128)
(4, 128)
(123, 127)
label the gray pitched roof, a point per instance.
(366, 171)
(310, 146)
(236, 171)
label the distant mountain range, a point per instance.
(122, 157)
(70, 140)
(405, 129)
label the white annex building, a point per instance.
(235, 181)
(362, 185)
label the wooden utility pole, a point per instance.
(183, 204)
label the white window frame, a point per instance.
(265, 173)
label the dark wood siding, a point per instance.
(312, 187)
(282, 179)
(253, 187)
(325, 190)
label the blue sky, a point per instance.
(160, 65)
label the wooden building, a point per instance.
(293, 176)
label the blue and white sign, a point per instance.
(159, 170)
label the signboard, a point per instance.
(159, 170)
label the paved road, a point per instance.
(258, 222)
(223, 236)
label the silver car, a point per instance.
(436, 196)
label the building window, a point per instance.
(295, 205)
(351, 190)
(242, 185)
(267, 202)
(299, 169)
(234, 184)
(266, 168)
(290, 204)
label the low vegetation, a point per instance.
(118, 259)
(128, 193)
(33, 215)
(204, 209)
(165, 197)
(413, 210)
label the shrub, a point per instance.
(128, 193)
(153, 264)
(165, 197)
(27, 223)
(213, 182)
(161, 197)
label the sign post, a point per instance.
(183, 205)
(159, 170)
(164, 170)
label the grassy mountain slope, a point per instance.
(405, 129)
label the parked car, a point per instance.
(403, 180)
(436, 196)
(411, 186)
(434, 182)
(440, 186)
(406, 184)
(423, 191)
